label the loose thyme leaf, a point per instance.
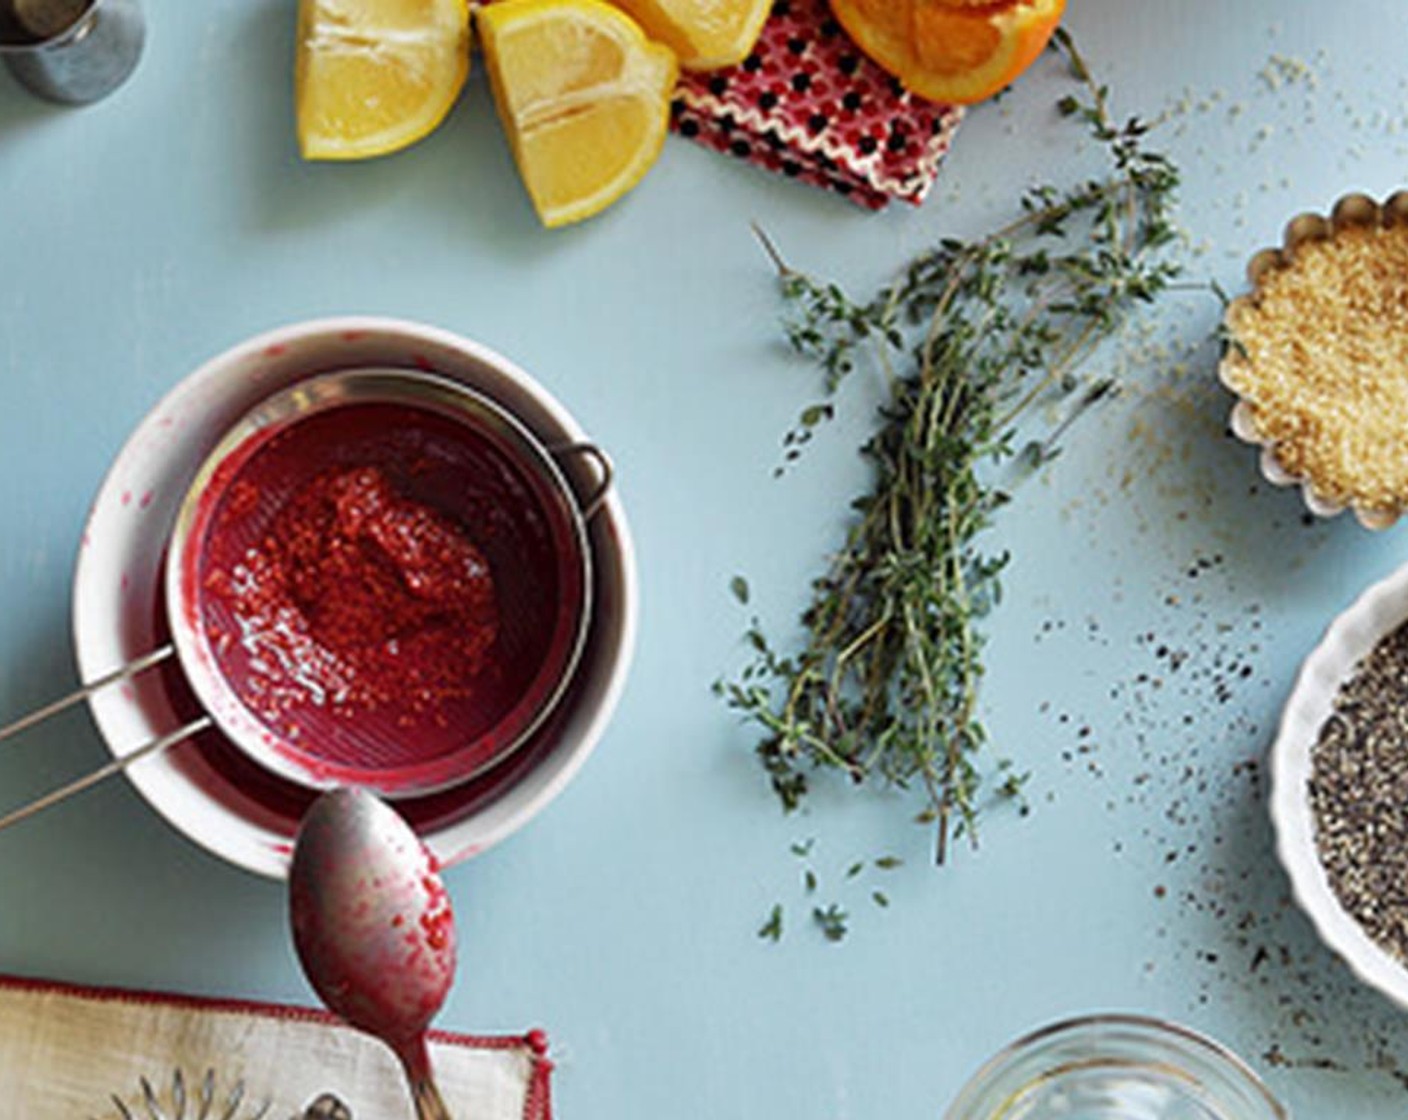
(984, 345)
(832, 920)
(739, 586)
(771, 930)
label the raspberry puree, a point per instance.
(382, 586)
(359, 597)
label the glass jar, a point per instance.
(1115, 1067)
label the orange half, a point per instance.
(953, 51)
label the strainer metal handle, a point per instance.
(116, 766)
(597, 498)
(131, 669)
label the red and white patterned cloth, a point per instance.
(806, 103)
(67, 1051)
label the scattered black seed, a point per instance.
(1182, 776)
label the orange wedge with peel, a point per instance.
(952, 51)
(583, 96)
(704, 34)
(374, 76)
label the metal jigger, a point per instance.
(71, 51)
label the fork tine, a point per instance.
(264, 1106)
(121, 1108)
(178, 1094)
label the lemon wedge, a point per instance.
(704, 34)
(583, 96)
(375, 76)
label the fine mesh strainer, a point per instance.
(450, 448)
(538, 554)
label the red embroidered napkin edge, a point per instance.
(537, 1103)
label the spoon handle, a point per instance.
(415, 1060)
(426, 1096)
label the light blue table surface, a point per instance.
(144, 234)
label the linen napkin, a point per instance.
(808, 104)
(66, 1051)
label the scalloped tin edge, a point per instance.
(1349, 211)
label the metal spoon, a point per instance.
(373, 927)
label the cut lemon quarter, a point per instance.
(583, 96)
(374, 76)
(704, 34)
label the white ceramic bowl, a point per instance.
(1349, 638)
(205, 788)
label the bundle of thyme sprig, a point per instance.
(978, 341)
